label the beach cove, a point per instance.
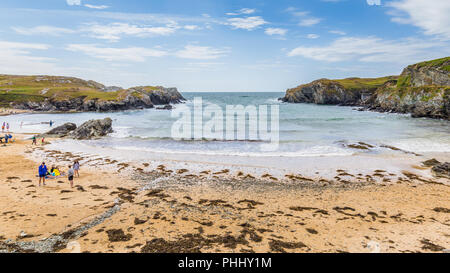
(147, 206)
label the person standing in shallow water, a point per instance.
(42, 173)
(76, 168)
(70, 174)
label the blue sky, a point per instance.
(220, 45)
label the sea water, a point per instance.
(305, 130)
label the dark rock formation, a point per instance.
(93, 129)
(63, 130)
(323, 92)
(442, 170)
(133, 98)
(431, 162)
(423, 90)
(165, 107)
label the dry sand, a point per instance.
(125, 207)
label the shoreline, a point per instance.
(134, 207)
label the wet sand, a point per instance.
(11, 111)
(140, 207)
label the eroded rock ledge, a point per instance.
(423, 90)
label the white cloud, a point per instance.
(248, 23)
(201, 52)
(114, 31)
(432, 16)
(306, 19)
(374, 2)
(132, 54)
(191, 27)
(242, 11)
(307, 22)
(96, 7)
(312, 36)
(43, 30)
(338, 32)
(369, 49)
(73, 2)
(276, 31)
(18, 58)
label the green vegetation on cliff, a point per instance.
(422, 89)
(443, 64)
(369, 84)
(350, 84)
(20, 89)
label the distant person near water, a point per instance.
(3, 126)
(42, 173)
(7, 127)
(43, 140)
(51, 123)
(76, 168)
(34, 140)
(70, 174)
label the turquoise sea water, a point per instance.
(305, 129)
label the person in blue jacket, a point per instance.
(42, 173)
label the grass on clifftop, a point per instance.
(353, 84)
(364, 83)
(38, 88)
(443, 64)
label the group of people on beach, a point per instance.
(34, 140)
(8, 138)
(45, 173)
(5, 125)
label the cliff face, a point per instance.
(434, 72)
(422, 89)
(343, 92)
(47, 93)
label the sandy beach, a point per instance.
(139, 207)
(9, 111)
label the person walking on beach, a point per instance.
(34, 141)
(70, 174)
(42, 173)
(7, 127)
(43, 141)
(51, 123)
(76, 168)
(3, 127)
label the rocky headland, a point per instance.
(68, 94)
(423, 90)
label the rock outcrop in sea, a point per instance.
(92, 129)
(423, 90)
(62, 131)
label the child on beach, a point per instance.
(70, 174)
(34, 140)
(76, 167)
(42, 173)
